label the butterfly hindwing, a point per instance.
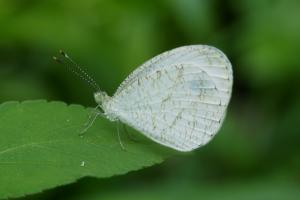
(178, 98)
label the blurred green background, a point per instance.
(256, 153)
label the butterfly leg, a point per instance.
(92, 117)
(119, 136)
(93, 112)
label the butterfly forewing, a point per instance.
(178, 98)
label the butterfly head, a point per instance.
(103, 100)
(101, 97)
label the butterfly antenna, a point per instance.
(76, 69)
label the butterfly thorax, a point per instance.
(103, 100)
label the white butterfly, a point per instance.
(178, 98)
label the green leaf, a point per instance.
(40, 147)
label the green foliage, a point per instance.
(110, 38)
(40, 148)
(258, 189)
(270, 40)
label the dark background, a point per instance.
(256, 153)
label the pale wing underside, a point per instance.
(178, 98)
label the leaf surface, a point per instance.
(40, 147)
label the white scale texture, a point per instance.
(178, 98)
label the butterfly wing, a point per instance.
(178, 98)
